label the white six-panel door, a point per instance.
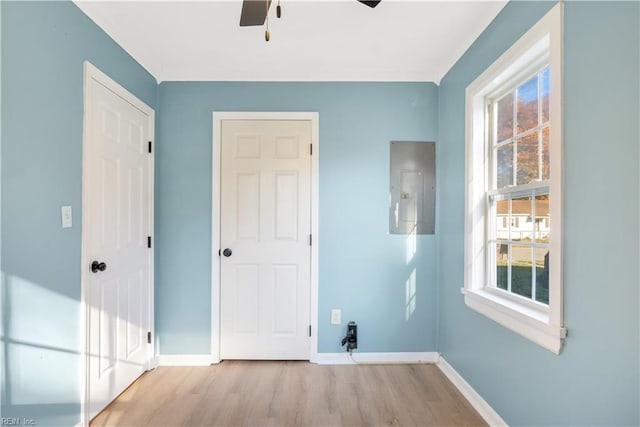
(266, 225)
(117, 222)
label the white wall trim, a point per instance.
(218, 117)
(91, 72)
(376, 358)
(479, 404)
(185, 360)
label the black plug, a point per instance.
(351, 339)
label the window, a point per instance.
(513, 230)
(518, 187)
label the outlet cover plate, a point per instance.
(336, 316)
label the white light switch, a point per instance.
(336, 316)
(67, 219)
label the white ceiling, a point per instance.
(339, 40)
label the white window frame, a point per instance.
(540, 324)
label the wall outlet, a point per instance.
(336, 316)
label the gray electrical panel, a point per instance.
(412, 187)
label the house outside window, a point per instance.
(513, 227)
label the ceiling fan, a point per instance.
(254, 12)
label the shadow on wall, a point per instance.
(411, 274)
(40, 355)
(33, 350)
(412, 197)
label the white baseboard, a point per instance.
(377, 358)
(185, 360)
(479, 404)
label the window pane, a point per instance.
(502, 259)
(522, 224)
(505, 165)
(545, 152)
(542, 219)
(528, 159)
(542, 275)
(521, 270)
(528, 105)
(544, 94)
(502, 220)
(505, 117)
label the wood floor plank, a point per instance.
(277, 393)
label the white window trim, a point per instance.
(540, 325)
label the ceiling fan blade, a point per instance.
(253, 12)
(370, 3)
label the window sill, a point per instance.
(526, 321)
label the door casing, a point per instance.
(218, 118)
(92, 72)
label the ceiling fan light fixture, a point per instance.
(370, 3)
(253, 12)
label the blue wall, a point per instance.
(595, 379)
(363, 270)
(44, 45)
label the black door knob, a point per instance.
(98, 266)
(227, 252)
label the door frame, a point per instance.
(218, 118)
(91, 72)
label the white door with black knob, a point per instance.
(117, 203)
(265, 256)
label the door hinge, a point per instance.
(148, 337)
(149, 241)
(311, 149)
(310, 240)
(309, 330)
(149, 146)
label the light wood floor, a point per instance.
(277, 393)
